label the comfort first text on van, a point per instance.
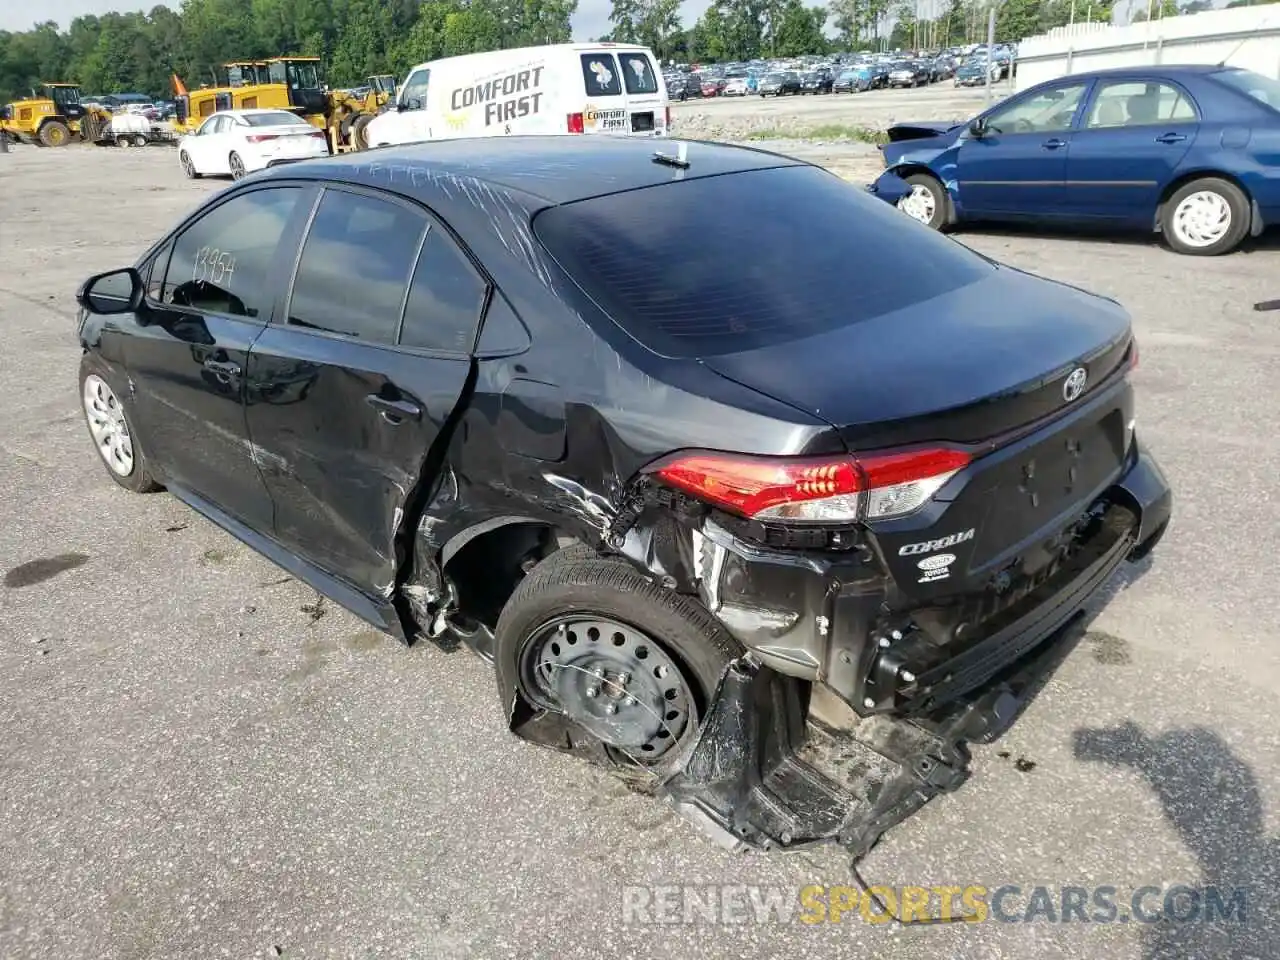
(504, 98)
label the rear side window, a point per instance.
(600, 74)
(222, 262)
(355, 266)
(445, 298)
(822, 255)
(638, 74)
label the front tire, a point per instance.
(188, 166)
(927, 202)
(633, 665)
(1206, 217)
(111, 429)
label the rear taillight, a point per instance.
(574, 124)
(260, 137)
(815, 490)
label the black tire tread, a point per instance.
(582, 565)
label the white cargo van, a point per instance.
(567, 88)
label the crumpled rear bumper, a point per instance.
(764, 772)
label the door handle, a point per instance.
(1054, 144)
(394, 411)
(224, 367)
(1171, 138)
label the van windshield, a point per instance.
(638, 73)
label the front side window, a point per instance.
(600, 74)
(355, 267)
(414, 93)
(276, 73)
(303, 76)
(637, 73)
(223, 262)
(1138, 102)
(1042, 112)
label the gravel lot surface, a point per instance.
(198, 761)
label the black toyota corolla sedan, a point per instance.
(769, 529)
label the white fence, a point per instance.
(1247, 37)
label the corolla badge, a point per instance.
(1074, 385)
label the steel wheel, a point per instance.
(1202, 219)
(614, 681)
(108, 426)
(237, 167)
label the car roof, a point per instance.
(1168, 69)
(552, 169)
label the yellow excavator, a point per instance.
(289, 83)
(52, 117)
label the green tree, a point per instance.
(799, 30)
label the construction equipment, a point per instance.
(52, 117)
(289, 83)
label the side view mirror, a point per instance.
(978, 128)
(117, 291)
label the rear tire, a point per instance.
(139, 140)
(1206, 217)
(576, 585)
(236, 165)
(55, 133)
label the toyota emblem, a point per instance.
(1073, 386)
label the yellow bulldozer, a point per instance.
(289, 83)
(52, 117)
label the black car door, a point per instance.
(350, 387)
(210, 294)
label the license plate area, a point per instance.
(1030, 490)
(642, 122)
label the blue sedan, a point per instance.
(1192, 152)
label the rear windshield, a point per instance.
(1263, 89)
(637, 73)
(600, 74)
(273, 119)
(811, 254)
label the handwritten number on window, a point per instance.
(213, 266)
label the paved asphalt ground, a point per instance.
(198, 760)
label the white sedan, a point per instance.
(238, 142)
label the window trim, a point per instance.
(147, 261)
(1101, 84)
(432, 222)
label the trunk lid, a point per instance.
(969, 366)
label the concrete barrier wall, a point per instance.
(1247, 37)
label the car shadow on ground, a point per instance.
(1268, 241)
(1211, 797)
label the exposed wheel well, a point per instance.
(486, 570)
(1186, 178)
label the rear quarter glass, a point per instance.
(823, 254)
